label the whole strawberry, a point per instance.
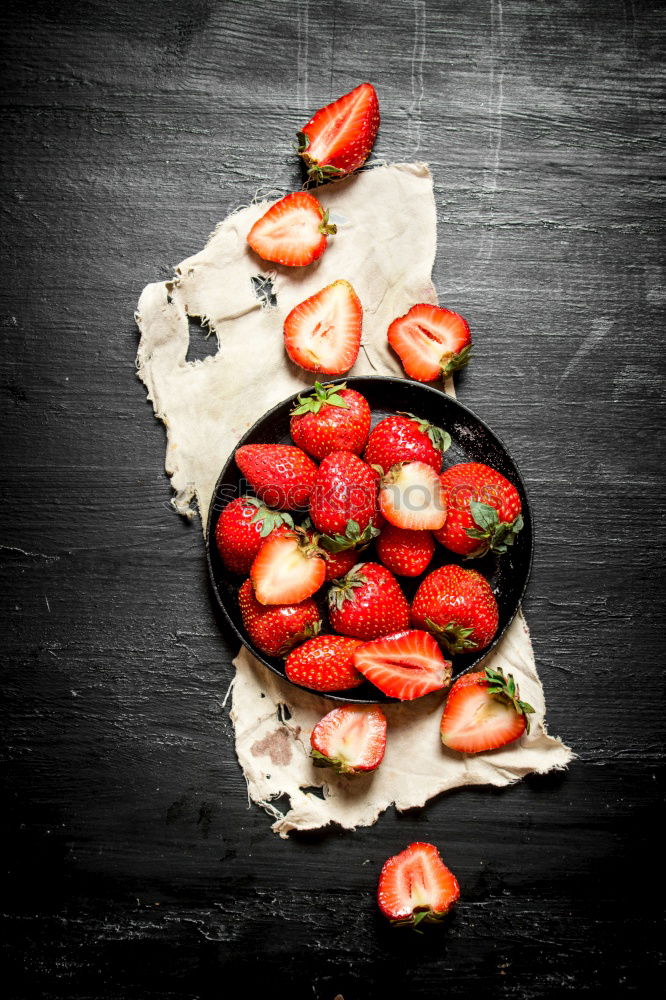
(368, 603)
(484, 510)
(277, 628)
(405, 552)
(406, 438)
(331, 418)
(324, 664)
(339, 563)
(242, 529)
(280, 474)
(345, 490)
(458, 607)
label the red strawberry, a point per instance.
(344, 499)
(368, 603)
(430, 341)
(339, 563)
(323, 333)
(332, 418)
(416, 885)
(404, 552)
(406, 665)
(458, 607)
(294, 231)
(483, 712)
(338, 138)
(288, 569)
(280, 474)
(324, 664)
(406, 438)
(241, 530)
(484, 510)
(277, 628)
(411, 497)
(351, 739)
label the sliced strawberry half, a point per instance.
(350, 739)
(294, 231)
(338, 138)
(323, 333)
(288, 569)
(416, 885)
(411, 496)
(406, 665)
(430, 341)
(483, 712)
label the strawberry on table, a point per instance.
(411, 497)
(344, 499)
(288, 569)
(241, 530)
(277, 628)
(483, 712)
(430, 342)
(405, 552)
(416, 886)
(282, 475)
(458, 606)
(484, 510)
(406, 438)
(294, 231)
(407, 665)
(368, 603)
(350, 739)
(330, 418)
(324, 664)
(323, 333)
(338, 138)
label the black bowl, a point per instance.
(472, 441)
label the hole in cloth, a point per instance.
(314, 790)
(283, 712)
(203, 342)
(263, 289)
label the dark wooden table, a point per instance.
(134, 868)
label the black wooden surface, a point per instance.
(134, 868)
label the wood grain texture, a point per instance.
(134, 868)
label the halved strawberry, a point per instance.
(430, 341)
(483, 712)
(288, 569)
(411, 496)
(294, 231)
(324, 664)
(276, 628)
(405, 552)
(416, 885)
(351, 739)
(338, 138)
(281, 474)
(323, 333)
(405, 666)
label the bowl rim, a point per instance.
(291, 400)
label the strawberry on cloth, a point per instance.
(207, 406)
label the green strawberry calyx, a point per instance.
(494, 535)
(454, 637)
(322, 395)
(316, 172)
(339, 764)
(441, 439)
(353, 538)
(343, 590)
(269, 519)
(506, 689)
(327, 228)
(453, 362)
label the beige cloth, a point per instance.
(385, 247)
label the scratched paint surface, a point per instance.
(134, 868)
